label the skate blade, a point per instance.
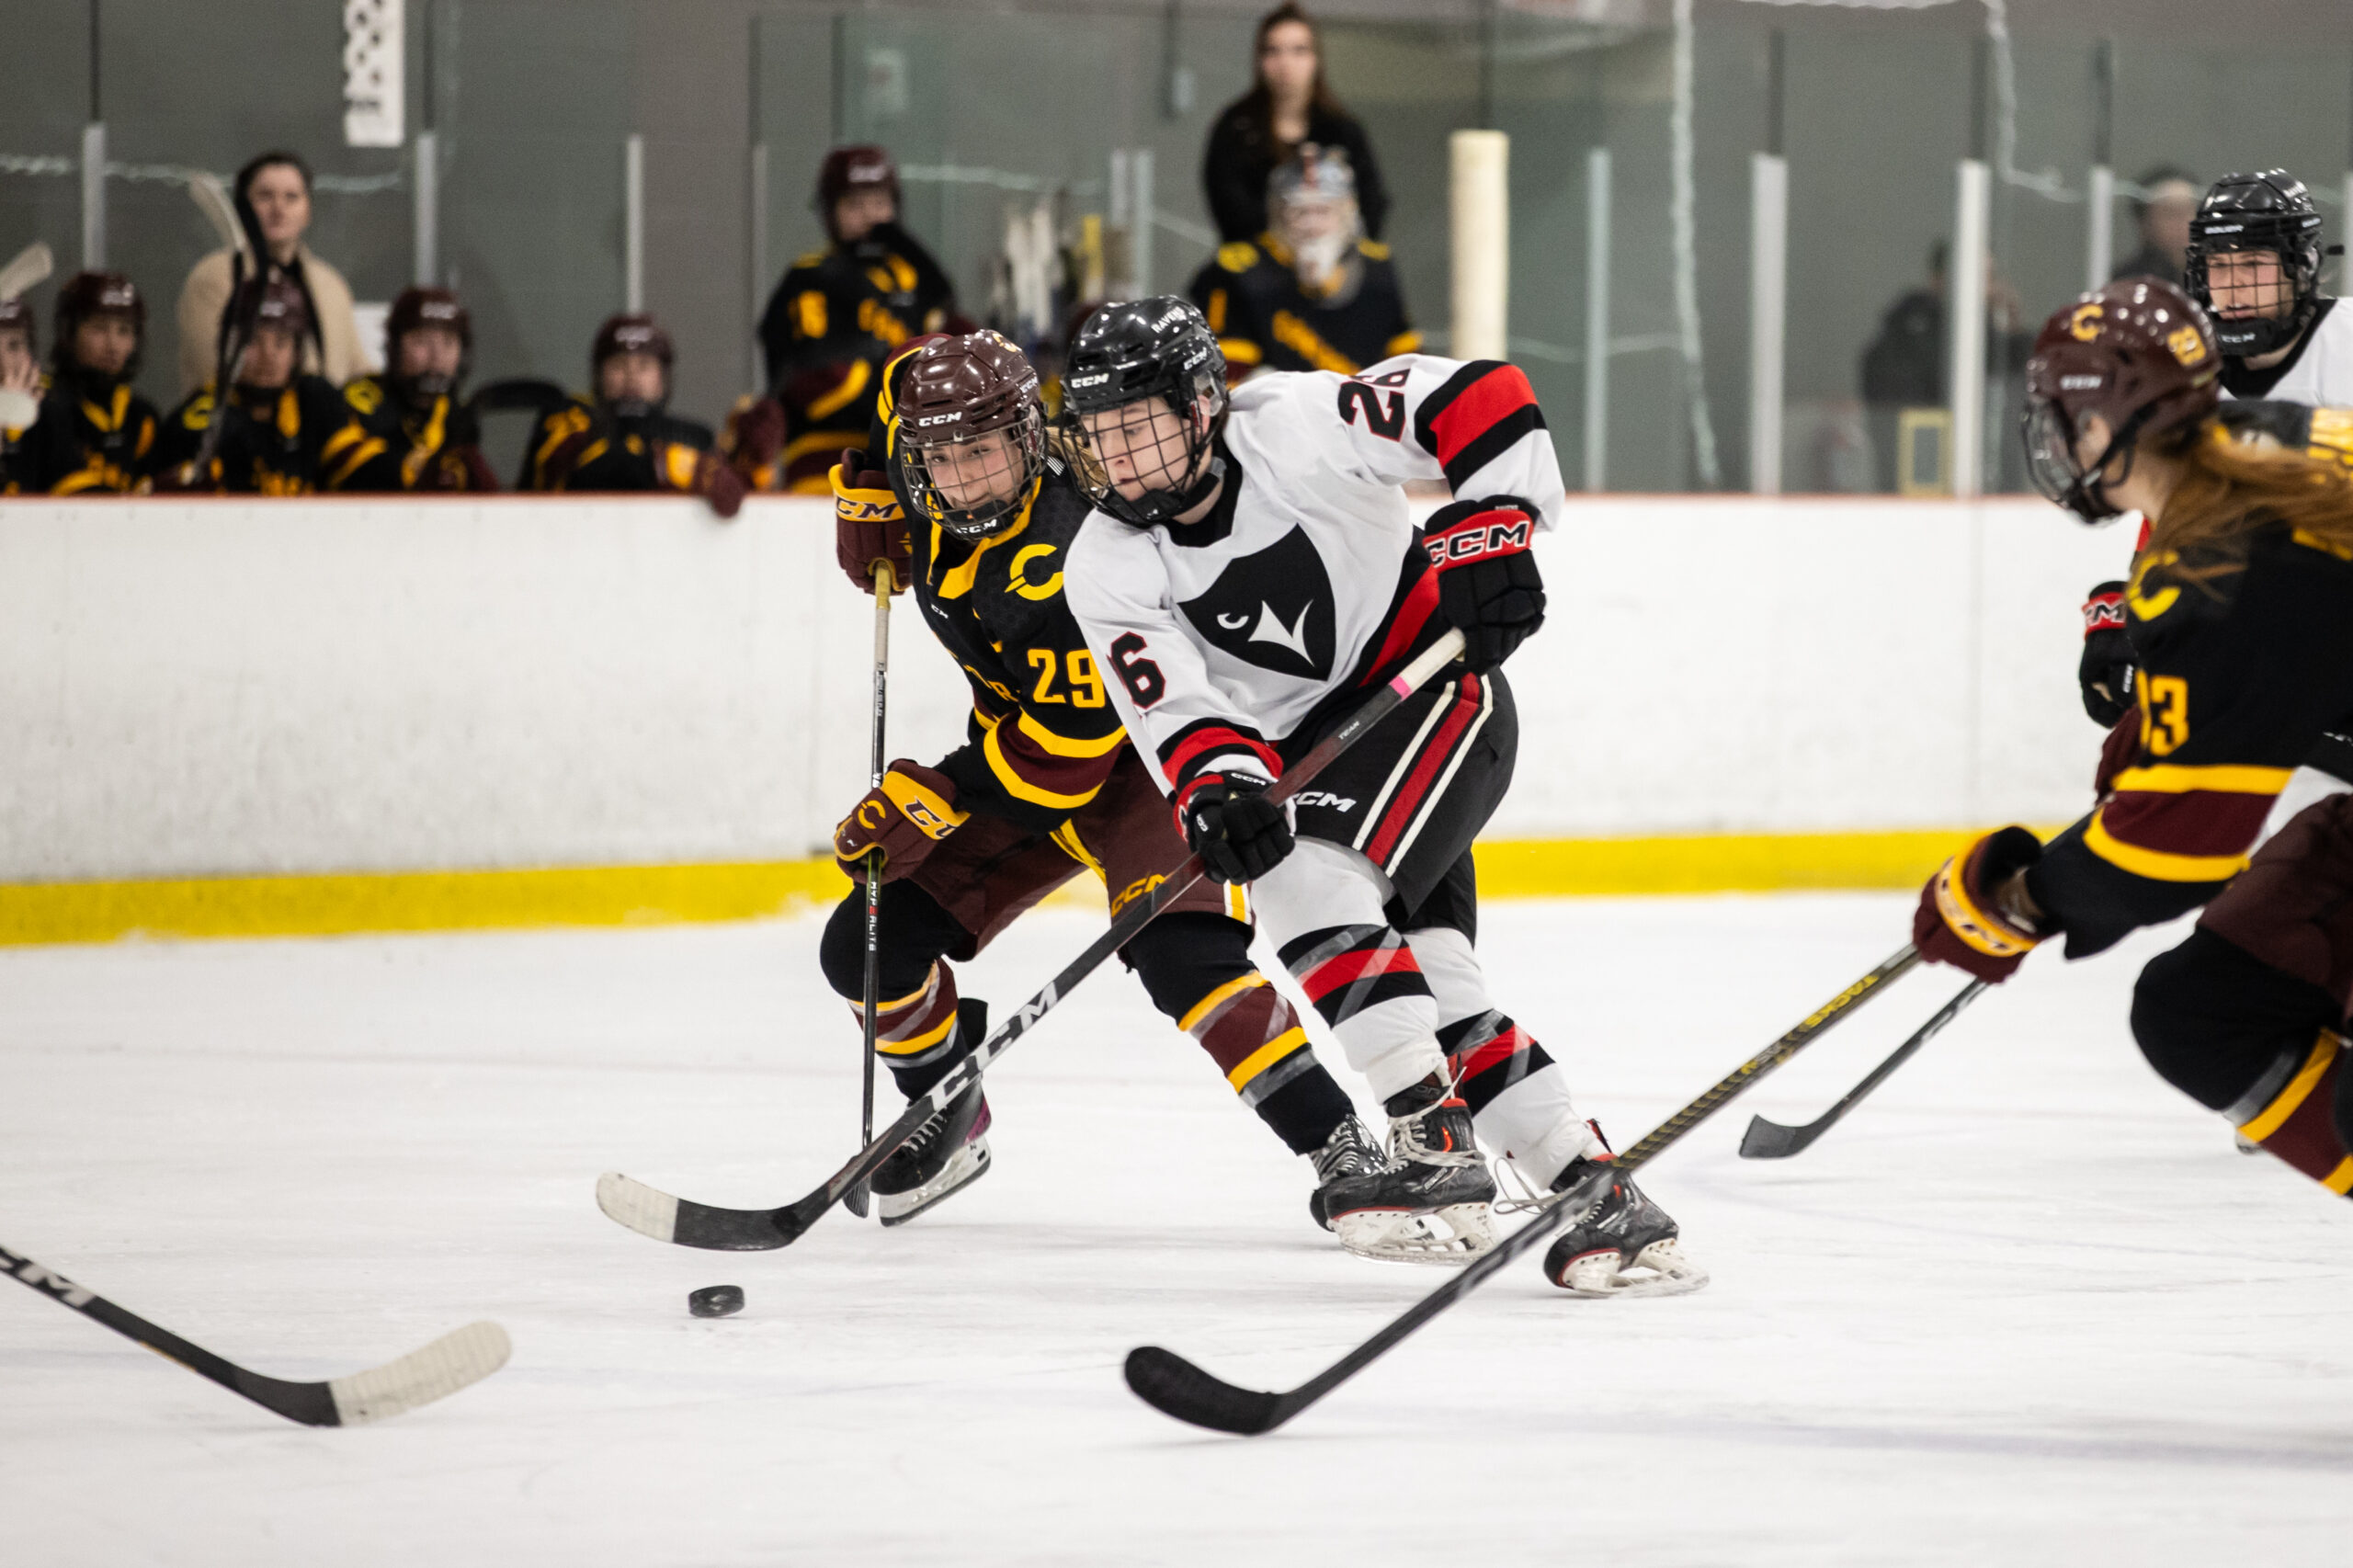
(1605, 1273)
(969, 1165)
(1446, 1238)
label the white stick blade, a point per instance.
(27, 267)
(442, 1369)
(646, 1210)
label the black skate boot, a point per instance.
(1348, 1155)
(1430, 1202)
(947, 1152)
(1624, 1231)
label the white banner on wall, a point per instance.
(374, 82)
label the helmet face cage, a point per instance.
(1015, 454)
(2049, 437)
(2252, 213)
(1179, 462)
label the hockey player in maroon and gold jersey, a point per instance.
(95, 433)
(623, 437)
(283, 430)
(2240, 612)
(976, 514)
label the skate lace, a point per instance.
(920, 1141)
(1407, 1142)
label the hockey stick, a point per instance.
(856, 1201)
(1174, 1386)
(654, 1213)
(233, 222)
(1769, 1140)
(442, 1369)
(26, 269)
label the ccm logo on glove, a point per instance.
(1505, 531)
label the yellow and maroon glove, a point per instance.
(868, 526)
(899, 818)
(1960, 920)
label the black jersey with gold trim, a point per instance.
(2247, 661)
(289, 441)
(580, 446)
(1264, 316)
(94, 436)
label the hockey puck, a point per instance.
(716, 1301)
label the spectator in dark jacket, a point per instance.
(2169, 199)
(1287, 104)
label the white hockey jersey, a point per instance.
(1256, 626)
(2320, 372)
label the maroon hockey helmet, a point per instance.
(88, 294)
(632, 332)
(846, 169)
(951, 396)
(418, 308)
(275, 302)
(2141, 356)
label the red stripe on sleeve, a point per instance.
(1480, 407)
(1202, 742)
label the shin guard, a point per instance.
(916, 1035)
(1258, 1043)
(2294, 1112)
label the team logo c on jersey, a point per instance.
(1273, 610)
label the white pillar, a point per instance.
(426, 270)
(2099, 246)
(1120, 219)
(1596, 318)
(1768, 261)
(1480, 219)
(633, 223)
(1965, 311)
(1140, 172)
(93, 197)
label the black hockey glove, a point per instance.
(1488, 587)
(2106, 672)
(1238, 832)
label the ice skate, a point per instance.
(947, 1152)
(1626, 1246)
(1428, 1202)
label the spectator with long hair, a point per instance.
(1290, 104)
(277, 187)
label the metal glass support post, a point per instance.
(94, 165)
(633, 223)
(756, 221)
(1480, 225)
(2099, 241)
(1140, 238)
(1596, 318)
(1966, 308)
(426, 224)
(1768, 261)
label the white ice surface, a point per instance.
(2027, 1307)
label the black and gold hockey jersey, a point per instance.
(579, 445)
(826, 332)
(2241, 673)
(94, 436)
(295, 440)
(1265, 317)
(434, 448)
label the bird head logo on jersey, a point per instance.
(1273, 610)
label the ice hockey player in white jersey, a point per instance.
(1251, 572)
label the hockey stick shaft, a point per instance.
(1132, 920)
(1769, 1140)
(870, 1014)
(129, 1324)
(665, 1218)
(1177, 1388)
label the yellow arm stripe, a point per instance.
(1218, 998)
(1063, 746)
(2275, 1115)
(1265, 1056)
(1021, 789)
(1241, 351)
(366, 453)
(341, 439)
(842, 396)
(2156, 864)
(1404, 343)
(2172, 779)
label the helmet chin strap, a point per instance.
(2088, 497)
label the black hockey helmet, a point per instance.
(2273, 211)
(1125, 353)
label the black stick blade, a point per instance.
(1174, 1386)
(1767, 1140)
(652, 1212)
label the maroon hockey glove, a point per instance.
(2106, 671)
(1488, 587)
(759, 434)
(899, 818)
(868, 527)
(718, 483)
(1964, 920)
(1238, 832)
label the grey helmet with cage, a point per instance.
(1125, 353)
(2273, 211)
